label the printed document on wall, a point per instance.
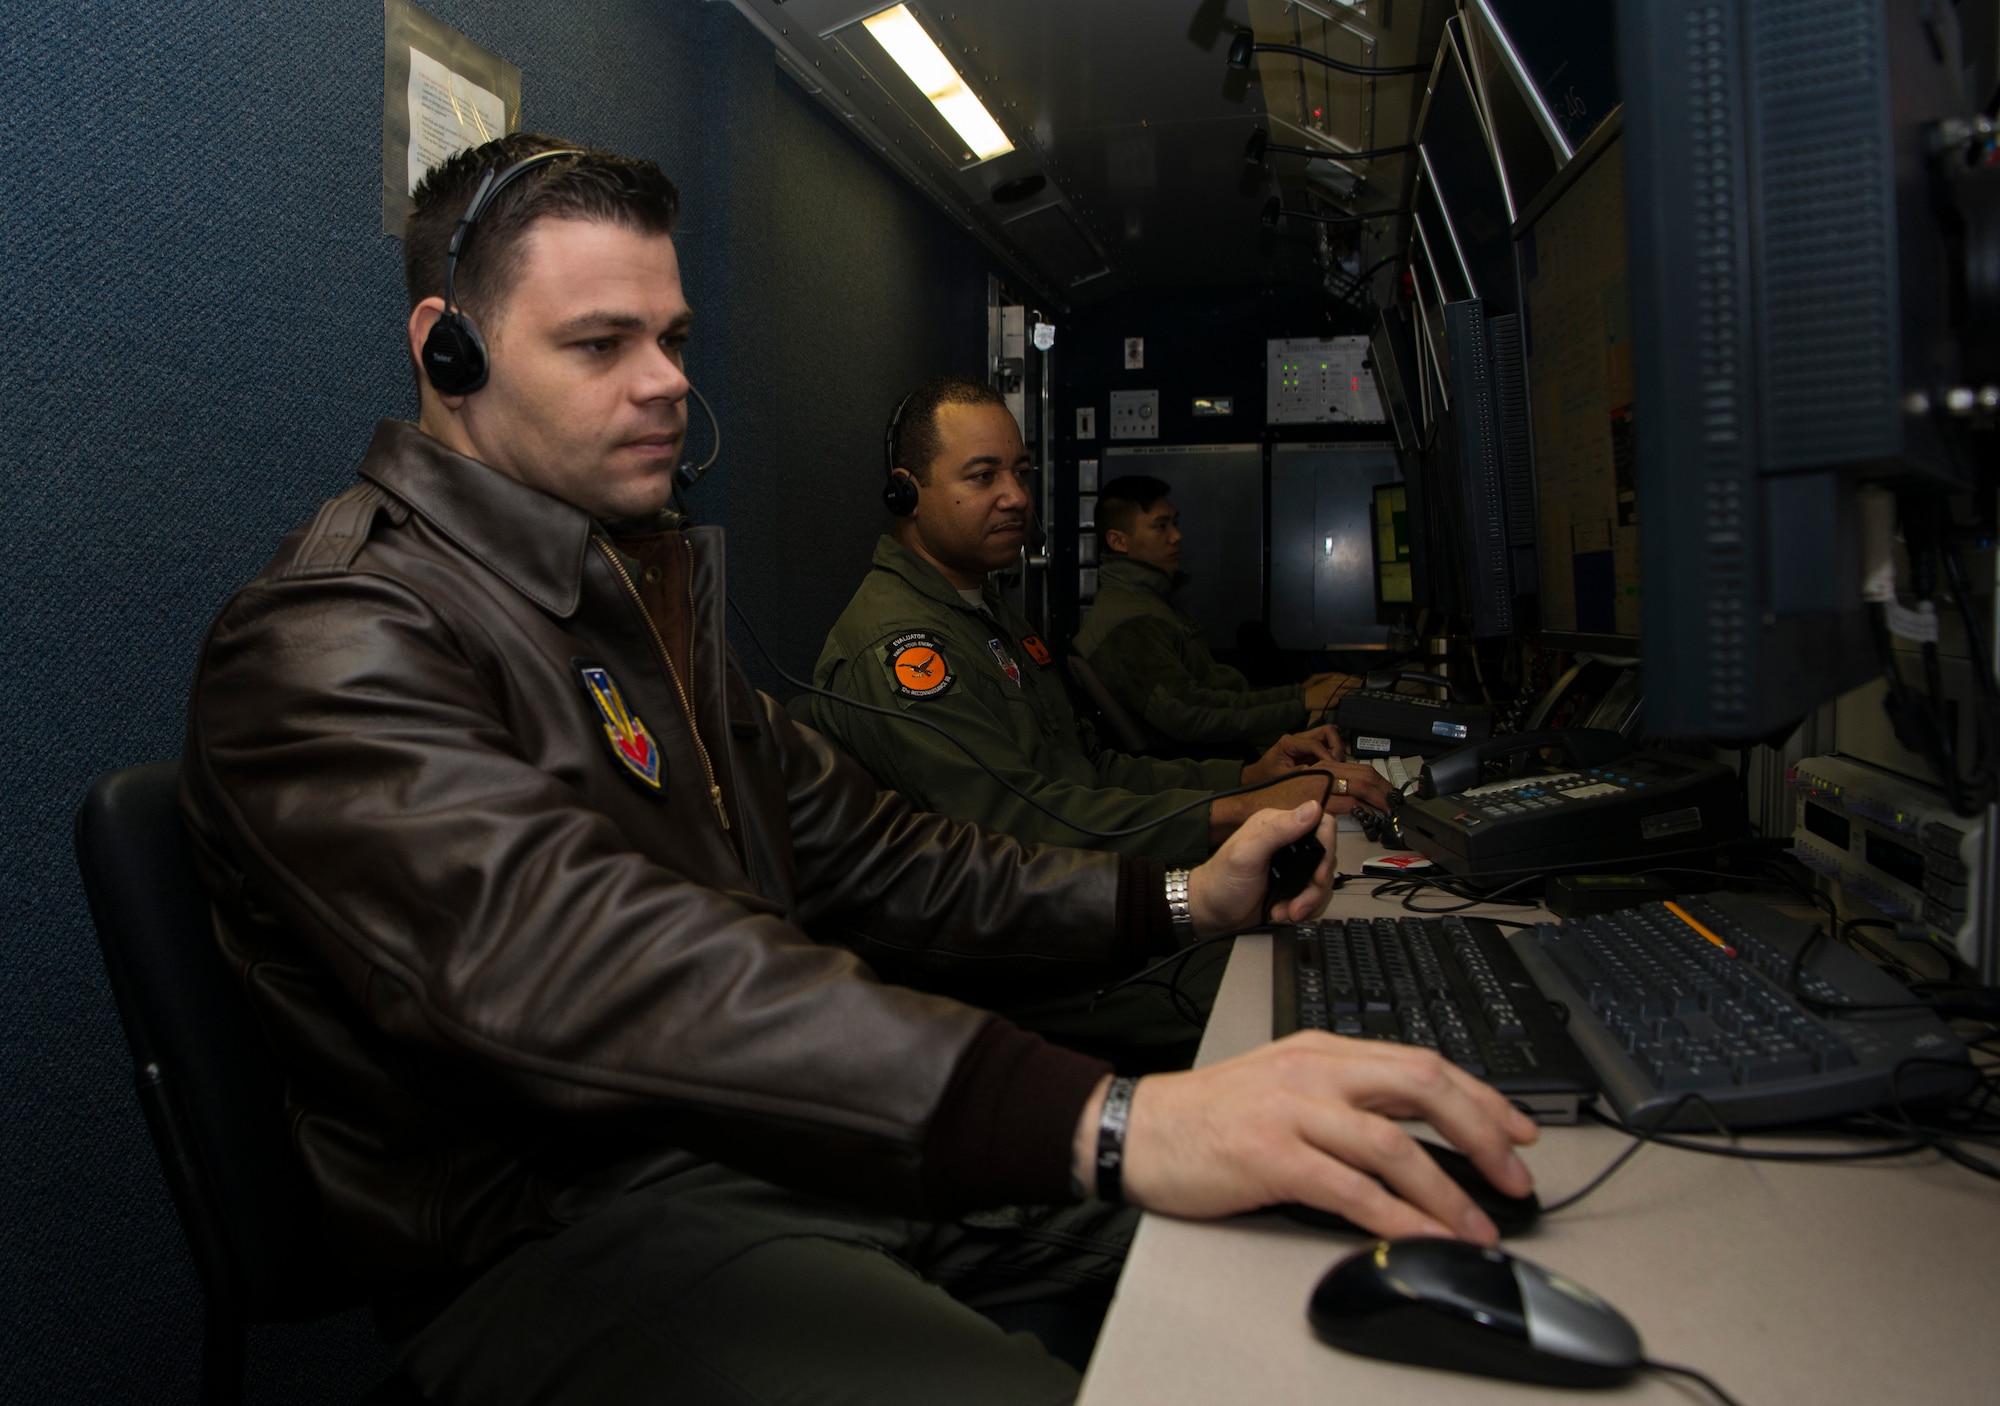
(441, 93)
(448, 113)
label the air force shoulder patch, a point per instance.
(632, 746)
(916, 665)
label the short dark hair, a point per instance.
(1121, 501)
(595, 185)
(915, 440)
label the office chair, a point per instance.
(1124, 730)
(208, 1085)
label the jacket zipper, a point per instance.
(666, 659)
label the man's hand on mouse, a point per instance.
(1311, 1118)
(1227, 891)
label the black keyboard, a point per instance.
(1663, 1010)
(1453, 985)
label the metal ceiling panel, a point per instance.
(1052, 239)
(1129, 113)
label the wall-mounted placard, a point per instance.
(441, 93)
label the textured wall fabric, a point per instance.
(199, 325)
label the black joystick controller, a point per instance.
(1292, 869)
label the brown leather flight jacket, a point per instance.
(508, 979)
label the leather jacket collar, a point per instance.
(529, 539)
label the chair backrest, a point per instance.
(208, 1083)
(1124, 730)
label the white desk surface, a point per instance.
(1786, 1283)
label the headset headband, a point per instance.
(489, 191)
(889, 434)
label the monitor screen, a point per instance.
(1433, 375)
(1570, 54)
(1394, 584)
(1461, 192)
(1578, 335)
(1392, 356)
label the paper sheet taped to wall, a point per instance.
(441, 93)
(448, 113)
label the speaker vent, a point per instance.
(1828, 263)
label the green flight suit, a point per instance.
(910, 643)
(1151, 657)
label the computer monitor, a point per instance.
(1496, 534)
(1427, 329)
(1577, 336)
(1792, 329)
(1461, 202)
(1392, 359)
(1525, 135)
(1435, 494)
(1565, 59)
(1395, 584)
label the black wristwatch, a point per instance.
(1111, 1126)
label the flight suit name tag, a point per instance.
(1037, 651)
(916, 665)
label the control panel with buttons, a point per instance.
(1648, 804)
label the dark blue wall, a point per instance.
(200, 323)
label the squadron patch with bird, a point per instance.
(916, 665)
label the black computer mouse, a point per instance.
(1510, 1214)
(1454, 1305)
(1292, 869)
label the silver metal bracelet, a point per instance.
(1179, 910)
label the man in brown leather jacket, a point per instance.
(621, 1018)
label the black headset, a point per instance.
(899, 494)
(454, 353)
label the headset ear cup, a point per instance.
(899, 494)
(455, 355)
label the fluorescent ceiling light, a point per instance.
(907, 42)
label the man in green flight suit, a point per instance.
(1149, 653)
(926, 636)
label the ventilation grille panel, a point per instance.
(1827, 266)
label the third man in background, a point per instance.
(1150, 654)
